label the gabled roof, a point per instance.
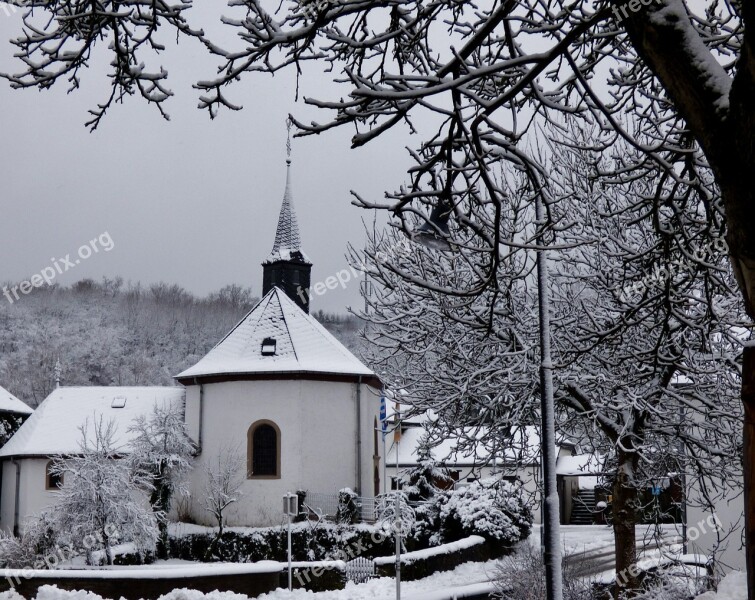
(287, 244)
(302, 346)
(53, 429)
(9, 403)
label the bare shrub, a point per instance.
(521, 576)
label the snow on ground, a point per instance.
(577, 539)
(731, 587)
(384, 588)
(378, 589)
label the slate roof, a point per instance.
(287, 244)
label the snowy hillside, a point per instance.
(111, 333)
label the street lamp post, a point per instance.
(550, 526)
(435, 234)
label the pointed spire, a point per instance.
(287, 239)
(287, 243)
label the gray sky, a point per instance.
(190, 201)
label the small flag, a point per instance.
(383, 415)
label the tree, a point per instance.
(162, 452)
(9, 424)
(224, 477)
(645, 329)
(427, 477)
(489, 76)
(99, 501)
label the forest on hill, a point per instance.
(115, 333)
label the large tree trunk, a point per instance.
(725, 129)
(624, 509)
(748, 399)
(160, 501)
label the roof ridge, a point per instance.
(243, 319)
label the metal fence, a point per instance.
(360, 569)
(326, 506)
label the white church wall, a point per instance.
(370, 398)
(191, 412)
(33, 495)
(7, 496)
(317, 421)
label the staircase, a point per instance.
(583, 507)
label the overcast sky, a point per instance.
(190, 201)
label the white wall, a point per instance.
(317, 420)
(33, 497)
(703, 537)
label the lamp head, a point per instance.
(434, 232)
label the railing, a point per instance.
(360, 569)
(326, 506)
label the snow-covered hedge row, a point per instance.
(326, 541)
(411, 557)
(492, 508)
(423, 563)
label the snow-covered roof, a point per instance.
(580, 464)
(287, 244)
(9, 403)
(301, 345)
(53, 428)
(523, 450)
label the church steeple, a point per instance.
(287, 267)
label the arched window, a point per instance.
(263, 451)
(53, 479)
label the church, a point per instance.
(278, 390)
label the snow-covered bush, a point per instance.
(348, 511)
(492, 508)
(426, 530)
(8, 426)
(395, 510)
(327, 541)
(36, 541)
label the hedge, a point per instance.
(327, 542)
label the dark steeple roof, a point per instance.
(287, 244)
